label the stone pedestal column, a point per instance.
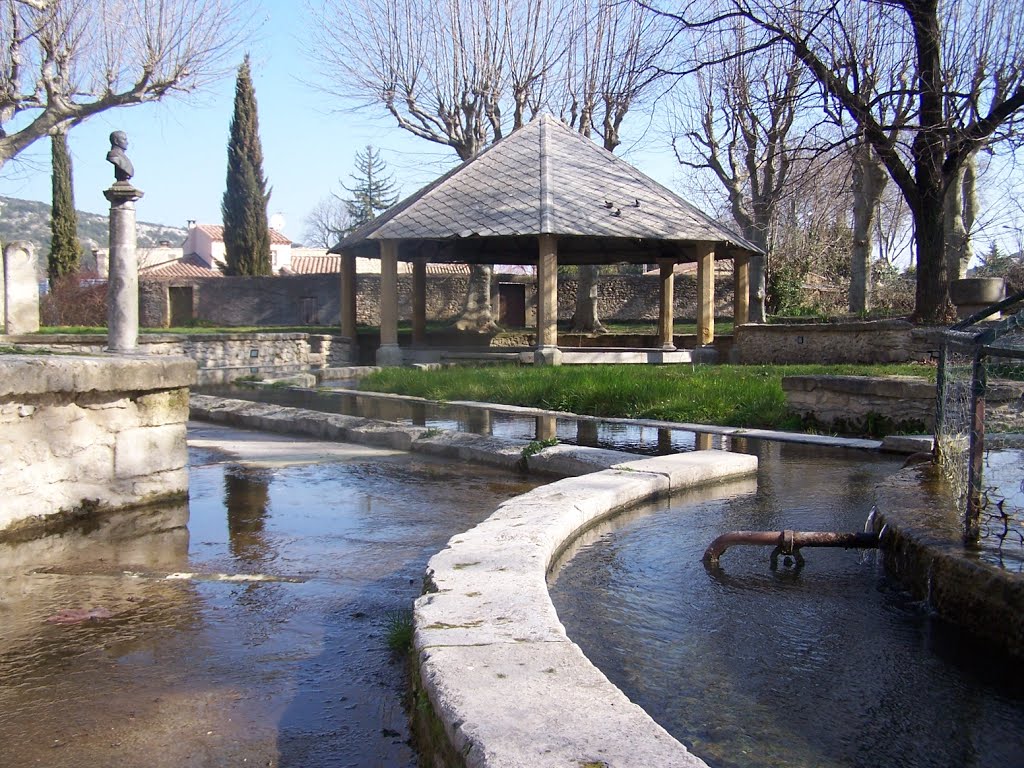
(123, 283)
(20, 288)
(666, 318)
(705, 293)
(741, 290)
(347, 304)
(419, 301)
(547, 352)
(389, 354)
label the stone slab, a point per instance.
(40, 374)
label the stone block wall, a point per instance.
(860, 404)
(313, 299)
(877, 341)
(82, 434)
(221, 356)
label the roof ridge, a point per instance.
(546, 203)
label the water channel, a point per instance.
(106, 661)
(825, 667)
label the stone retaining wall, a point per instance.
(313, 299)
(80, 434)
(885, 404)
(876, 341)
(220, 357)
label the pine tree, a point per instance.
(374, 189)
(65, 248)
(244, 208)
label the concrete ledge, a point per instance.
(40, 374)
(501, 675)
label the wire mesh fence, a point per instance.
(979, 429)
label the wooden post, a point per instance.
(666, 318)
(347, 304)
(547, 352)
(741, 290)
(705, 293)
(389, 354)
(419, 301)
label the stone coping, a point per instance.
(924, 551)
(42, 374)
(749, 432)
(508, 685)
(504, 681)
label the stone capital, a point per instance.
(122, 192)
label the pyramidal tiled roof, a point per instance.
(544, 178)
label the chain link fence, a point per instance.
(979, 428)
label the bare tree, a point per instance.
(447, 72)
(613, 58)
(959, 106)
(737, 123)
(62, 61)
(327, 223)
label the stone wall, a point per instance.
(220, 357)
(877, 341)
(89, 434)
(313, 299)
(859, 404)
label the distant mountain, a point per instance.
(30, 220)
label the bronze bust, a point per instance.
(123, 168)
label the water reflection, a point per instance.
(201, 672)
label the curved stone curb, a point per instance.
(924, 551)
(503, 678)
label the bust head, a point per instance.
(119, 139)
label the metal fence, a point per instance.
(979, 429)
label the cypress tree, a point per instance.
(244, 207)
(374, 189)
(65, 249)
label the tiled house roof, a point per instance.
(545, 178)
(187, 266)
(216, 233)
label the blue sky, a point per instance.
(178, 147)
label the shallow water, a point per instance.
(198, 672)
(749, 667)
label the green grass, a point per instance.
(725, 395)
(398, 630)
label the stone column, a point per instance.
(741, 290)
(419, 301)
(703, 441)
(666, 319)
(546, 427)
(389, 353)
(547, 352)
(705, 293)
(21, 288)
(123, 283)
(347, 302)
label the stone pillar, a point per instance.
(546, 427)
(705, 293)
(703, 441)
(419, 301)
(741, 290)
(389, 353)
(21, 288)
(347, 303)
(666, 319)
(123, 283)
(547, 352)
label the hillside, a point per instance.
(30, 220)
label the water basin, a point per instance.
(828, 666)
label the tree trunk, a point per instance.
(869, 181)
(476, 310)
(585, 319)
(758, 272)
(931, 300)
(955, 232)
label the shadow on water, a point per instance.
(825, 666)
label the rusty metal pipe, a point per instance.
(788, 542)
